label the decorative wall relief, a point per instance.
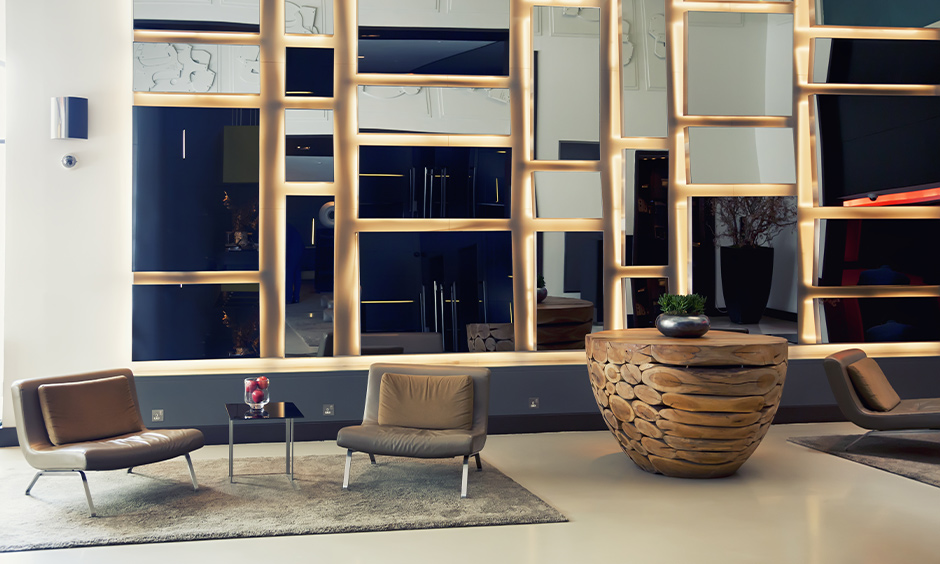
(577, 22)
(434, 109)
(629, 75)
(162, 67)
(655, 37)
(310, 17)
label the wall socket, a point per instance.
(533, 403)
(328, 409)
(156, 415)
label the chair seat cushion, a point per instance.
(132, 449)
(872, 385)
(406, 441)
(426, 402)
(88, 410)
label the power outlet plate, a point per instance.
(328, 409)
(156, 415)
(533, 403)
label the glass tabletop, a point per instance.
(273, 410)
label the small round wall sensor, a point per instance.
(68, 161)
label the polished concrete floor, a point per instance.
(787, 504)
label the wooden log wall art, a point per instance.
(687, 408)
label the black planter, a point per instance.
(746, 275)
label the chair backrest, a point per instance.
(30, 426)
(481, 388)
(837, 371)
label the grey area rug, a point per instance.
(912, 455)
(156, 503)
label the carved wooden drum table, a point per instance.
(687, 408)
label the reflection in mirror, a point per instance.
(877, 320)
(878, 150)
(568, 194)
(310, 17)
(195, 189)
(454, 14)
(427, 292)
(742, 155)
(896, 13)
(195, 321)
(309, 146)
(643, 57)
(570, 295)
(309, 276)
(743, 254)
(185, 67)
(242, 16)
(428, 182)
(309, 72)
(566, 78)
(409, 50)
(429, 109)
(641, 297)
(876, 61)
(740, 64)
(646, 232)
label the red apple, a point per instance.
(262, 382)
(251, 386)
(257, 396)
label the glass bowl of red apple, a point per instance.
(257, 392)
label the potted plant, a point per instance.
(542, 292)
(747, 264)
(683, 315)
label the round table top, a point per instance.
(715, 348)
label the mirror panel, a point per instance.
(195, 321)
(740, 64)
(643, 52)
(641, 297)
(897, 13)
(568, 194)
(309, 146)
(878, 320)
(444, 283)
(309, 72)
(198, 15)
(198, 68)
(566, 77)
(308, 17)
(570, 264)
(431, 109)
(195, 186)
(646, 221)
(876, 61)
(742, 155)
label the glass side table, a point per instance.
(283, 410)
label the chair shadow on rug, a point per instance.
(422, 411)
(91, 421)
(867, 399)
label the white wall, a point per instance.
(68, 232)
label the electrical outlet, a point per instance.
(328, 409)
(156, 415)
(533, 403)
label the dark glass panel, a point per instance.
(199, 321)
(880, 320)
(645, 294)
(195, 189)
(571, 266)
(428, 182)
(242, 16)
(409, 50)
(897, 13)
(883, 61)
(650, 240)
(309, 276)
(309, 72)
(428, 287)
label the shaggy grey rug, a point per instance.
(912, 455)
(156, 503)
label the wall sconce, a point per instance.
(69, 117)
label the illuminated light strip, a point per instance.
(196, 37)
(897, 199)
(188, 100)
(198, 277)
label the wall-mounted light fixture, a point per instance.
(69, 117)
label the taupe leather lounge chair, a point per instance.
(867, 399)
(91, 421)
(422, 411)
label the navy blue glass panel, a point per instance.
(434, 51)
(309, 72)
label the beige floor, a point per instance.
(786, 504)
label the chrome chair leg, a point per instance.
(466, 469)
(192, 473)
(479, 464)
(372, 457)
(91, 505)
(130, 470)
(33, 483)
(346, 474)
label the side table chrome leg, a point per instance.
(289, 446)
(231, 442)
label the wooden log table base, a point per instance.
(687, 408)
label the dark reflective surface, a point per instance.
(273, 410)
(195, 189)
(880, 320)
(242, 16)
(402, 50)
(309, 274)
(645, 293)
(433, 283)
(429, 182)
(896, 13)
(199, 321)
(309, 72)
(649, 244)
(884, 61)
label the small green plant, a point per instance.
(688, 304)
(541, 281)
